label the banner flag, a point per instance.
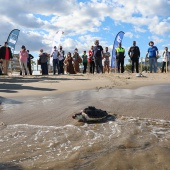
(12, 39)
(118, 39)
(56, 42)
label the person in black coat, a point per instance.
(5, 55)
(30, 57)
(134, 54)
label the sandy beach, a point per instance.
(12, 86)
(37, 131)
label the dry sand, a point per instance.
(12, 86)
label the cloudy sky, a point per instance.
(84, 21)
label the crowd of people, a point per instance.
(95, 56)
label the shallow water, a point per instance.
(38, 133)
(126, 143)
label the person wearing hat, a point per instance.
(134, 54)
(152, 54)
(5, 55)
(23, 57)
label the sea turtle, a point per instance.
(91, 114)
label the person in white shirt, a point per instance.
(165, 60)
(55, 60)
(106, 60)
(61, 61)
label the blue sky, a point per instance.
(84, 21)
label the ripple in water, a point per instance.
(126, 143)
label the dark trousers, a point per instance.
(55, 66)
(135, 61)
(164, 66)
(29, 68)
(44, 68)
(85, 67)
(120, 62)
(99, 66)
(61, 67)
(92, 67)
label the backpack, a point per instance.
(43, 58)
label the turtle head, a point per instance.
(78, 116)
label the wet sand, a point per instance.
(32, 98)
(56, 110)
(38, 132)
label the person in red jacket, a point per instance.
(5, 55)
(91, 60)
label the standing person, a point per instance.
(166, 58)
(106, 60)
(44, 60)
(84, 57)
(30, 57)
(77, 60)
(98, 54)
(5, 56)
(91, 60)
(134, 54)
(23, 57)
(61, 61)
(120, 55)
(55, 60)
(153, 54)
(69, 64)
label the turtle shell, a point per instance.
(91, 113)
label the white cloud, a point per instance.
(138, 29)
(155, 39)
(81, 21)
(128, 34)
(160, 28)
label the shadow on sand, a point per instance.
(12, 84)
